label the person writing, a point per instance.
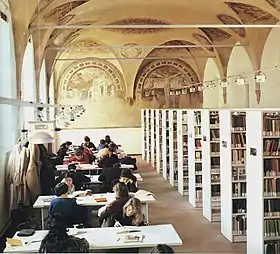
(108, 176)
(128, 179)
(109, 159)
(63, 149)
(80, 157)
(88, 143)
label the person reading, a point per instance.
(80, 157)
(109, 159)
(108, 176)
(88, 143)
(128, 179)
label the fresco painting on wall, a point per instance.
(99, 87)
(156, 79)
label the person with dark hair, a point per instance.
(162, 248)
(63, 205)
(69, 179)
(108, 139)
(58, 241)
(128, 179)
(108, 176)
(79, 157)
(115, 209)
(109, 160)
(87, 143)
(102, 145)
(64, 148)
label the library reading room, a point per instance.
(186, 156)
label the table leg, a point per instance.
(42, 218)
(146, 212)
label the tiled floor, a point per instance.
(198, 235)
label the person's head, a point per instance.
(125, 175)
(54, 241)
(107, 139)
(87, 140)
(79, 154)
(133, 208)
(120, 190)
(68, 180)
(102, 142)
(111, 150)
(68, 144)
(117, 165)
(72, 167)
(162, 248)
(61, 189)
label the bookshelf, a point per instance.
(182, 139)
(158, 140)
(152, 124)
(172, 173)
(195, 158)
(165, 143)
(233, 174)
(148, 136)
(143, 133)
(263, 181)
(211, 165)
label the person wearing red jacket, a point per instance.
(79, 157)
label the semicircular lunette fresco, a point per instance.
(156, 79)
(100, 88)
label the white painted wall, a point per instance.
(8, 128)
(270, 58)
(129, 138)
(212, 98)
(240, 96)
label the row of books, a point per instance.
(238, 156)
(271, 228)
(239, 225)
(271, 126)
(238, 121)
(238, 173)
(272, 248)
(239, 206)
(239, 189)
(271, 147)
(272, 207)
(214, 134)
(271, 187)
(238, 139)
(271, 167)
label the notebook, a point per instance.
(132, 238)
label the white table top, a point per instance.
(94, 178)
(88, 167)
(106, 238)
(45, 201)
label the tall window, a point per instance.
(43, 88)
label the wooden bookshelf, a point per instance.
(195, 158)
(153, 138)
(172, 173)
(263, 181)
(143, 133)
(182, 138)
(211, 165)
(148, 135)
(158, 144)
(233, 174)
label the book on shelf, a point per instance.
(272, 247)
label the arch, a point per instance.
(156, 79)
(212, 98)
(239, 63)
(99, 86)
(270, 59)
(28, 81)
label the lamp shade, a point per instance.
(41, 137)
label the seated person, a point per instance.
(108, 140)
(108, 160)
(63, 149)
(68, 179)
(162, 248)
(88, 143)
(115, 209)
(89, 153)
(58, 241)
(63, 205)
(108, 176)
(78, 177)
(132, 213)
(80, 157)
(102, 145)
(128, 179)
(127, 160)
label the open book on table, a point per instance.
(82, 193)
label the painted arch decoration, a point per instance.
(156, 79)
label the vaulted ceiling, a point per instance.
(39, 18)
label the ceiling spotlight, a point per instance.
(184, 90)
(178, 92)
(192, 89)
(172, 92)
(240, 81)
(260, 77)
(224, 82)
(200, 88)
(212, 85)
